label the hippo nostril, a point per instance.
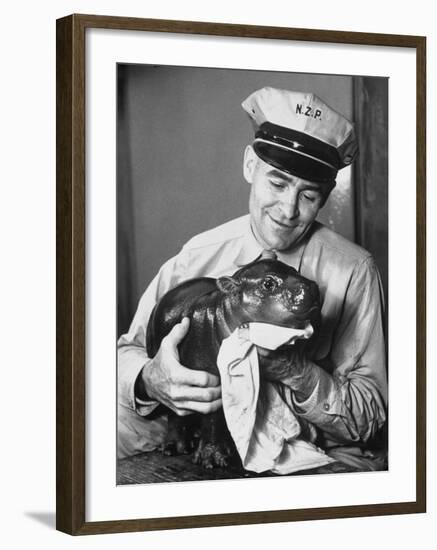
(298, 294)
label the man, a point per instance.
(339, 390)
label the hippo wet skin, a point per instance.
(265, 291)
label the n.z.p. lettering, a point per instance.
(306, 110)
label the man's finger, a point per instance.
(195, 393)
(198, 378)
(177, 334)
(181, 412)
(201, 407)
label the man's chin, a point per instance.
(283, 244)
(286, 240)
(275, 237)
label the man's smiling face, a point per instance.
(282, 207)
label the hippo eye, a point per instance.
(269, 283)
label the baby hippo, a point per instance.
(265, 291)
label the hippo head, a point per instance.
(269, 291)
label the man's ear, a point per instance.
(249, 163)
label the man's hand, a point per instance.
(182, 390)
(291, 368)
(281, 365)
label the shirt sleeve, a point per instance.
(131, 348)
(348, 402)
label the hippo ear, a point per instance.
(227, 284)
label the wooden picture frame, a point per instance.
(71, 273)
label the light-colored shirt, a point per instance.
(345, 382)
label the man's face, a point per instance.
(282, 207)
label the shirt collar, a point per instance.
(251, 250)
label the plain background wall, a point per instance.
(181, 138)
(28, 276)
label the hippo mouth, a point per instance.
(303, 317)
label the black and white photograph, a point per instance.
(252, 273)
(218, 277)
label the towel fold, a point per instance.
(264, 428)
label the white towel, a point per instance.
(264, 428)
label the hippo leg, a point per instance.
(216, 447)
(180, 435)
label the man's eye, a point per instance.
(310, 198)
(277, 184)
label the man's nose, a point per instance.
(290, 205)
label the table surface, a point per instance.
(154, 467)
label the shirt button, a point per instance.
(326, 406)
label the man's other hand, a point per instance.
(280, 365)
